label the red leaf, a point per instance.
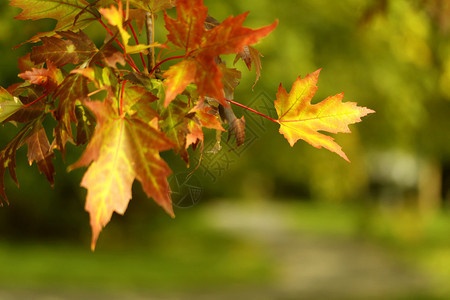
(202, 46)
(40, 152)
(47, 78)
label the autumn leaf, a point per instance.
(120, 151)
(26, 64)
(85, 124)
(72, 89)
(299, 119)
(202, 46)
(137, 100)
(115, 17)
(9, 104)
(110, 55)
(30, 110)
(178, 77)
(48, 78)
(64, 11)
(200, 117)
(8, 159)
(251, 56)
(174, 124)
(40, 152)
(76, 48)
(153, 6)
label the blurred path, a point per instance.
(315, 267)
(307, 265)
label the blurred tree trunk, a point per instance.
(430, 186)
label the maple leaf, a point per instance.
(202, 46)
(299, 119)
(110, 55)
(85, 124)
(70, 14)
(199, 117)
(115, 17)
(72, 89)
(8, 158)
(122, 150)
(31, 110)
(178, 77)
(75, 49)
(48, 78)
(251, 56)
(39, 151)
(9, 104)
(174, 125)
(153, 6)
(134, 94)
(25, 63)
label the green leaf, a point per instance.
(9, 104)
(174, 124)
(85, 124)
(70, 14)
(153, 5)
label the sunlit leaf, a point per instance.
(8, 104)
(64, 11)
(299, 119)
(120, 151)
(187, 32)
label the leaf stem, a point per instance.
(163, 61)
(127, 57)
(137, 42)
(252, 110)
(35, 101)
(121, 98)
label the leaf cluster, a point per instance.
(125, 116)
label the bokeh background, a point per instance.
(267, 221)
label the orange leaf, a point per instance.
(202, 117)
(299, 119)
(48, 78)
(202, 46)
(122, 150)
(178, 77)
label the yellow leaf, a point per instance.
(299, 119)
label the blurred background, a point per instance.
(267, 221)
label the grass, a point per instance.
(190, 255)
(187, 258)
